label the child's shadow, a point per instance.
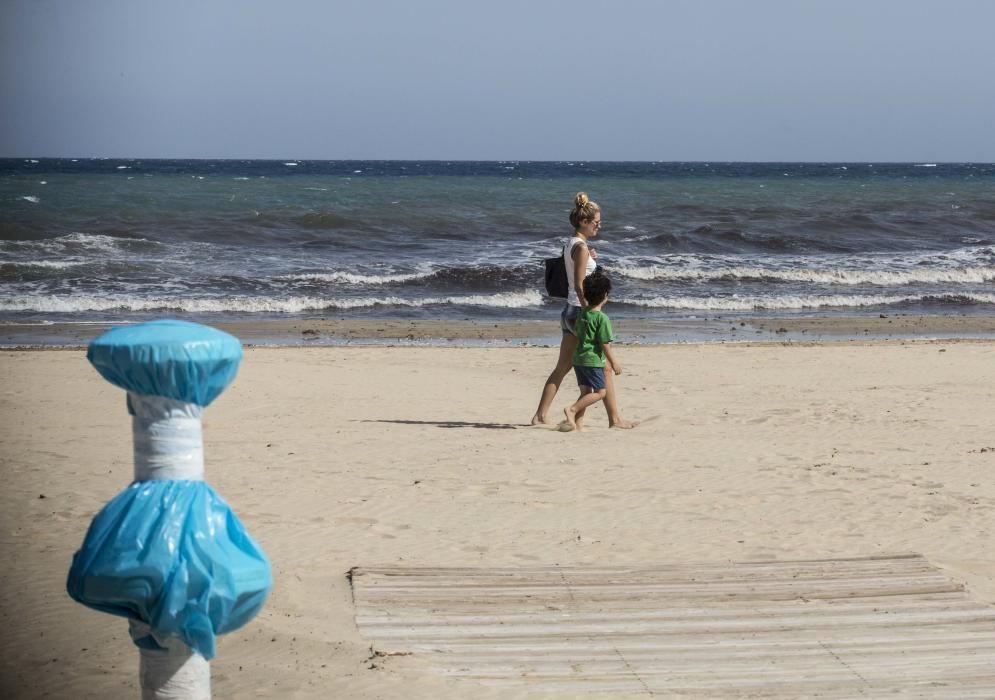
(450, 424)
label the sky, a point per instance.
(669, 80)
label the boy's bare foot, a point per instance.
(571, 415)
(624, 424)
(538, 420)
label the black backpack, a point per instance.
(556, 277)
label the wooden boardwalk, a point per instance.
(868, 627)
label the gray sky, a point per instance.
(874, 80)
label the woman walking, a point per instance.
(580, 261)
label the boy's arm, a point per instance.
(606, 336)
(610, 356)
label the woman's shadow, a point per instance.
(450, 424)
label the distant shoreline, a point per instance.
(443, 333)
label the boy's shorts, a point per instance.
(593, 377)
(568, 319)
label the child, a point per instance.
(594, 338)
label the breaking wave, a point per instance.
(242, 304)
(787, 303)
(884, 278)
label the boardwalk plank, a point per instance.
(874, 626)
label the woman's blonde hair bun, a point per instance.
(584, 210)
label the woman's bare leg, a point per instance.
(552, 385)
(615, 419)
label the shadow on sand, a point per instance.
(451, 424)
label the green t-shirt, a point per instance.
(593, 331)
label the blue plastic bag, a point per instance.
(173, 555)
(176, 359)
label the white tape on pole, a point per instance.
(173, 675)
(168, 444)
(168, 439)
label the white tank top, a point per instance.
(568, 261)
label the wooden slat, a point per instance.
(835, 628)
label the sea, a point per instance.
(104, 240)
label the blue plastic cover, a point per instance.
(176, 359)
(173, 555)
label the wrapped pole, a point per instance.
(167, 552)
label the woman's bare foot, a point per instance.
(571, 415)
(624, 424)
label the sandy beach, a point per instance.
(337, 457)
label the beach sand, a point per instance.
(336, 457)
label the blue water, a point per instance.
(117, 240)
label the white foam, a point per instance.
(99, 239)
(30, 160)
(240, 178)
(124, 167)
(505, 300)
(48, 264)
(925, 165)
(77, 303)
(784, 303)
(291, 164)
(889, 278)
(350, 278)
(89, 241)
(628, 228)
(30, 198)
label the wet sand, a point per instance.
(328, 331)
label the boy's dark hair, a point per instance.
(596, 288)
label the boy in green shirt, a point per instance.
(594, 339)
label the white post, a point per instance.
(175, 673)
(168, 441)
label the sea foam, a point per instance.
(50, 264)
(93, 241)
(794, 302)
(351, 278)
(237, 304)
(888, 278)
